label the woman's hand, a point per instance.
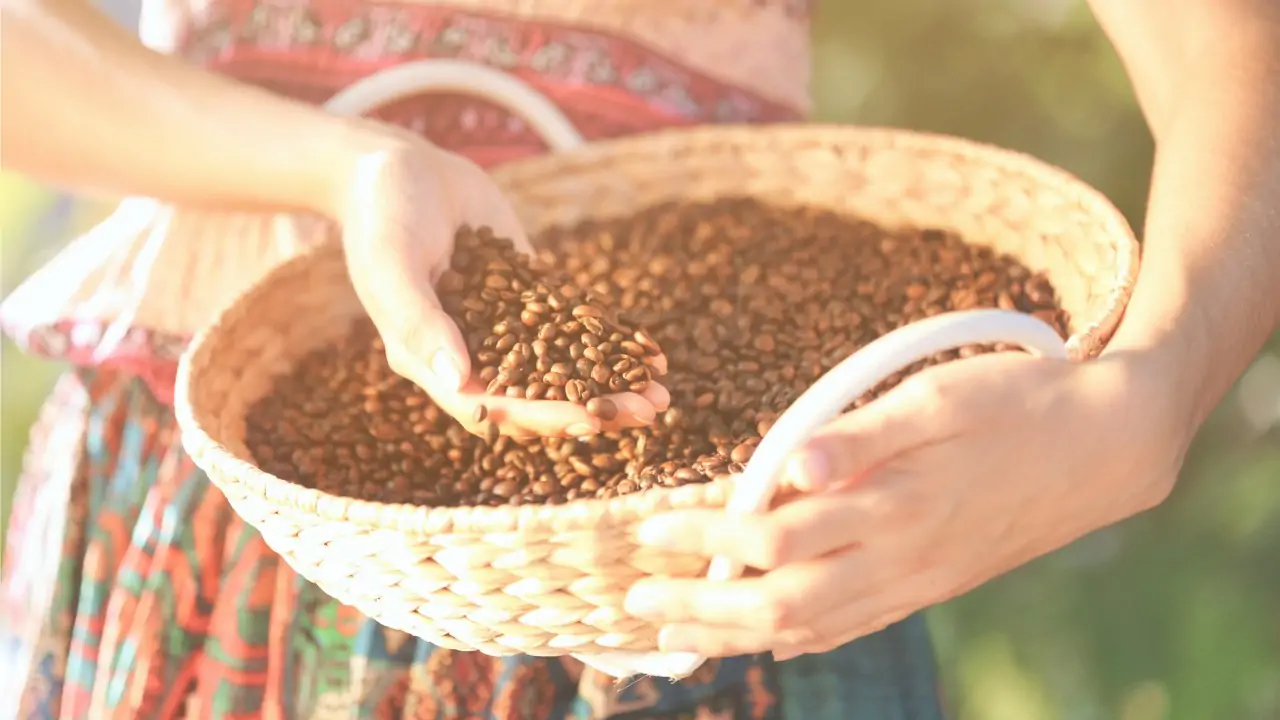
(963, 472)
(404, 203)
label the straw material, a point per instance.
(550, 580)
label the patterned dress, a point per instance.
(131, 590)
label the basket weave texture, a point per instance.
(551, 580)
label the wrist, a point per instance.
(1168, 351)
(1148, 422)
(357, 146)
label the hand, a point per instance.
(961, 473)
(402, 206)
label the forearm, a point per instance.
(88, 107)
(1206, 299)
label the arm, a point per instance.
(1207, 73)
(88, 107)
(934, 497)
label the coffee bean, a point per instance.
(601, 374)
(646, 341)
(742, 453)
(687, 475)
(751, 304)
(575, 390)
(481, 292)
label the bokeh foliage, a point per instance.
(1172, 615)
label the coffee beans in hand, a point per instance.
(537, 337)
(751, 304)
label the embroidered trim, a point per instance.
(312, 49)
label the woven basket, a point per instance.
(551, 580)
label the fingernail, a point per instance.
(809, 470)
(674, 639)
(646, 414)
(582, 430)
(446, 369)
(660, 532)
(641, 603)
(784, 655)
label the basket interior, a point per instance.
(302, 305)
(1012, 203)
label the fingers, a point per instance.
(657, 396)
(913, 414)
(547, 418)
(767, 603)
(518, 417)
(800, 608)
(431, 353)
(788, 600)
(819, 634)
(803, 529)
(658, 363)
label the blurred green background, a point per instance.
(1172, 615)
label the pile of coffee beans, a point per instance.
(751, 304)
(537, 337)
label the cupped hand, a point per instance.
(405, 202)
(961, 473)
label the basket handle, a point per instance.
(860, 372)
(828, 397)
(427, 76)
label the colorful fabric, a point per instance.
(132, 591)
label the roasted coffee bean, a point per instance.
(742, 453)
(509, 329)
(751, 303)
(575, 390)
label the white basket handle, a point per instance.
(434, 76)
(820, 404)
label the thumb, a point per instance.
(427, 348)
(423, 343)
(856, 443)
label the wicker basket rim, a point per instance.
(591, 514)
